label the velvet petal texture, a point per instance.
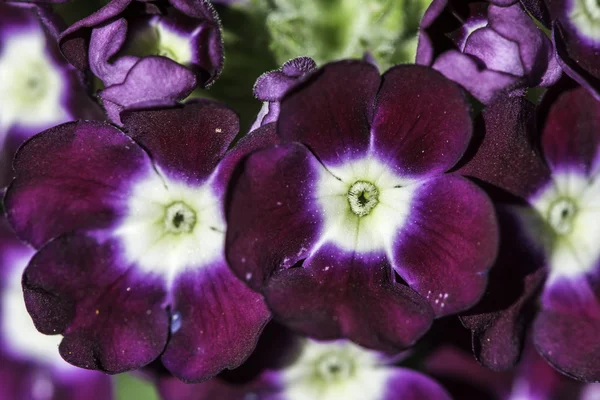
(574, 110)
(413, 386)
(427, 137)
(253, 252)
(216, 323)
(565, 331)
(339, 100)
(450, 244)
(72, 176)
(112, 319)
(499, 321)
(394, 140)
(137, 268)
(334, 293)
(203, 131)
(503, 153)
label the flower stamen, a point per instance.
(363, 197)
(179, 218)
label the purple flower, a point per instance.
(271, 86)
(356, 190)
(147, 51)
(131, 263)
(486, 46)
(549, 233)
(38, 89)
(576, 34)
(30, 366)
(310, 369)
(531, 379)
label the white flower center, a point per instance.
(363, 204)
(171, 227)
(160, 39)
(335, 370)
(19, 336)
(585, 16)
(570, 206)
(30, 85)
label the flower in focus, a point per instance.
(38, 89)
(30, 366)
(131, 264)
(271, 86)
(357, 190)
(327, 30)
(316, 370)
(486, 46)
(549, 234)
(147, 52)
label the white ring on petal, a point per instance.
(573, 247)
(158, 250)
(335, 370)
(376, 230)
(585, 17)
(31, 87)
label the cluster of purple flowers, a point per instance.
(315, 256)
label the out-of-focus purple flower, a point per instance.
(549, 234)
(576, 34)
(38, 89)
(272, 86)
(131, 232)
(310, 369)
(147, 51)
(532, 378)
(30, 366)
(486, 46)
(356, 190)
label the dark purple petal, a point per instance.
(71, 177)
(411, 385)
(503, 153)
(331, 111)
(566, 329)
(337, 294)
(499, 321)
(173, 389)
(581, 65)
(570, 136)
(187, 142)
(484, 84)
(538, 9)
(25, 381)
(275, 189)
(112, 318)
(150, 79)
(448, 245)
(433, 129)
(215, 325)
(264, 136)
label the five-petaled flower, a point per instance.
(355, 201)
(130, 232)
(549, 225)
